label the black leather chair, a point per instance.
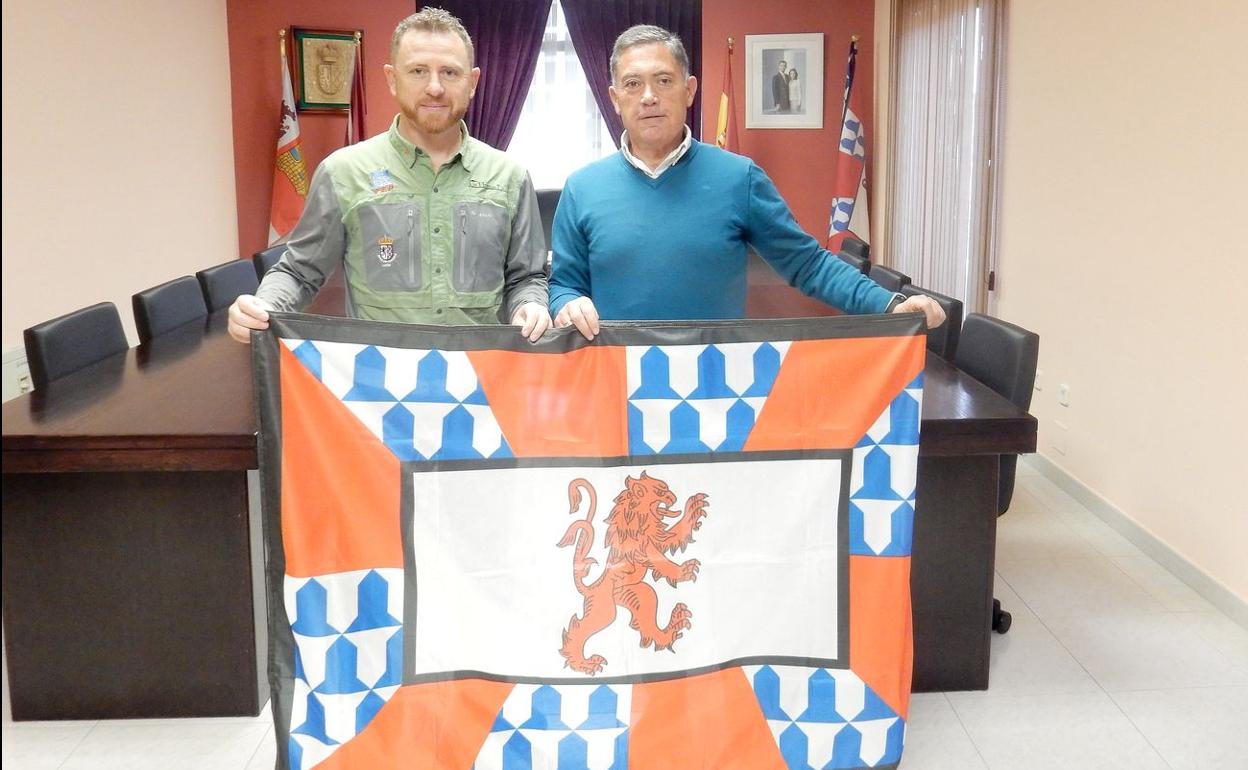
(888, 278)
(943, 340)
(223, 283)
(1003, 357)
(168, 306)
(263, 260)
(547, 202)
(856, 248)
(70, 342)
(858, 263)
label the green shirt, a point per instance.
(462, 246)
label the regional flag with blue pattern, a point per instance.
(849, 217)
(677, 546)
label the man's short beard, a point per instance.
(427, 124)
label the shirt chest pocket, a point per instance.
(481, 239)
(390, 246)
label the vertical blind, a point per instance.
(944, 139)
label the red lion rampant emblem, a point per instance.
(638, 541)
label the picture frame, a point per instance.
(775, 96)
(322, 65)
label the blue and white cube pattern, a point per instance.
(422, 404)
(882, 481)
(698, 398)
(563, 727)
(348, 656)
(851, 136)
(842, 212)
(826, 719)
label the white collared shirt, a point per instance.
(667, 163)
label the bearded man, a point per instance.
(430, 225)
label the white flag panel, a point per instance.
(494, 591)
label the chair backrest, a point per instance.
(943, 340)
(856, 247)
(224, 282)
(263, 260)
(859, 263)
(547, 202)
(1003, 357)
(70, 342)
(888, 278)
(168, 306)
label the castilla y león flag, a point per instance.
(677, 546)
(290, 173)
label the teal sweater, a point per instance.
(675, 247)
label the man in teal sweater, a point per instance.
(659, 230)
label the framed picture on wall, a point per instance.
(324, 61)
(784, 81)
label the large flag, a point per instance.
(290, 175)
(849, 206)
(678, 546)
(726, 123)
(358, 108)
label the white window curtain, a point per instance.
(560, 126)
(942, 187)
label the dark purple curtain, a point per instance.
(507, 37)
(594, 26)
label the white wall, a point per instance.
(1125, 191)
(118, 170)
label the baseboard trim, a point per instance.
(1197, 579)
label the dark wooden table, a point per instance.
(129, 545)
(131, 551)
(965, 429)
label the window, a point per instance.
(944, 145)
(560, 126)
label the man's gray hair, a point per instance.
(644, 34)
(431, 20)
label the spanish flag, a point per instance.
(726, 137)
(290, 173)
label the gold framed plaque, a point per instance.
(324, 62)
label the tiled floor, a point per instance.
(1111, 663)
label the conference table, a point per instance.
(132, 554)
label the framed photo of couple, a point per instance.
(784, 81)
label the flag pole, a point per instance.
(849, 75)
(356, 105)
(725, 123)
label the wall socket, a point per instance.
(1058, 437)
(15, 374)
(1039, 384)
(1063, 394)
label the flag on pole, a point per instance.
(726, 124)
(358, 109)
(849, 206)
(675, 546)
(290, 174)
